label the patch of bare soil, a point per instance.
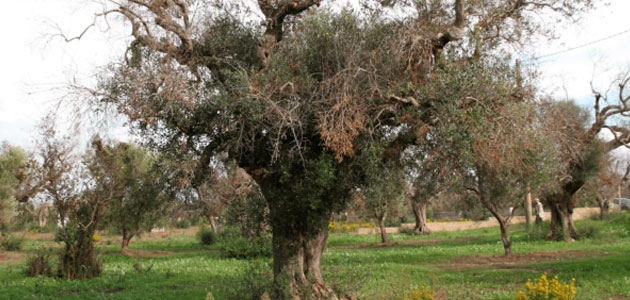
(40, 236)
(148, 253)
(514, 261)
(434, 241)
(423, 242)
(11, 256)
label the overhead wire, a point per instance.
(531, 61)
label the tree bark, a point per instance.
(420, 214)
(212, 222)
(126, 239)
(381, 225)
(505, 239)
(297, 267)
(561, 225)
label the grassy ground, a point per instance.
(457, 265)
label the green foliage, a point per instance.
(10, 242)
(206, 236)
(141, 199)
(182, 224)
(13, 160)
(590, 230)
(232, 243)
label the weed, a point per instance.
(141, 270)
(544, 289)
(423, 293)
(39, 264)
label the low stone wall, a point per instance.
(578, 214)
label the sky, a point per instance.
(36, 65)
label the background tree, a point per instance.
(143, 199)
(78, 201)
(383, 193)
(12, 161)
(606, 185)
(500, 151)
(19, 180)
(430, 167)
(294, 102)
(580, 149)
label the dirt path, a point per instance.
(578, 214)
(514, 261)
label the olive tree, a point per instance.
(580, 149)
(12, 159)
(143, 198)
(293, 97)
(19, 180)
(383, 190)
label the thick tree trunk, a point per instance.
(381, 226)
(562, 226)
(297, 267)
(314, 251)
(289, 278)
(505, 239)
(420, 214)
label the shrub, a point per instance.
(233, 244)
(9, 242)
(241, 247)
(544, 289)
(590, 231)
(182, 224)
(206, 236)
(423, 293)
(537, 233)
(39, 264)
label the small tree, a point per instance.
(12, 161)
(580, 149)
(506, 156)
(383, 192)
(143, 199)
(430, 168)
(77, 199)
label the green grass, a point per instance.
(353, 264)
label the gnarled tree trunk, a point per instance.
(297, 265)
(561, 225)
(420, 214)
